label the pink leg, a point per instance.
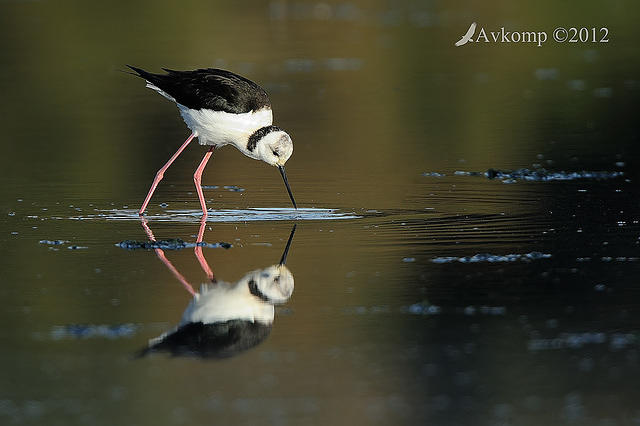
(198, 251)
(147, 230)
(167, 262)
(197, 177)
(203, 224)
(178, 275)
(160, 173)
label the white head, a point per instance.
(273, 146)
(274, 283)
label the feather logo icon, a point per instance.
(467, 37)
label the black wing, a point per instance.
(209, 88)
(217, 340)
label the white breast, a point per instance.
(223, 302)
(221, 128)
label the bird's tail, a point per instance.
(156, 82)
(138, 72)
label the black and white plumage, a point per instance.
(224, 319)
(223, 108)
(213, 89)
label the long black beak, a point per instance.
(286, 182)
(283, 259)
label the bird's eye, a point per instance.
(276, 153)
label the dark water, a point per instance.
(436, 280)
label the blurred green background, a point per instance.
(373, 88)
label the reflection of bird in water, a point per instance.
(224, 319)
(221, 108)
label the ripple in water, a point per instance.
(491, 258)
(536, 175)
(230, 215)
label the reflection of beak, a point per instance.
(283, 259)
(284, 177)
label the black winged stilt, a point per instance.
(221, 108)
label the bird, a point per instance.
(467, 36)
(220, 108)
(225, 318)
